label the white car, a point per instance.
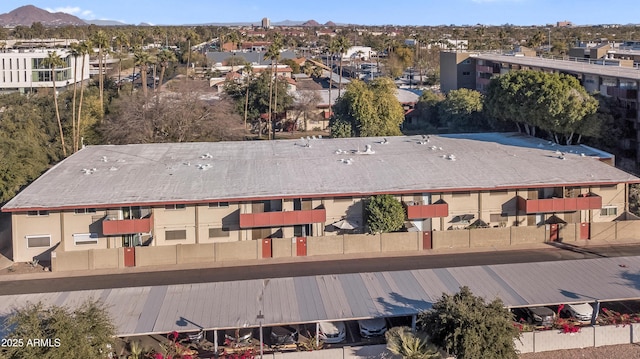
(372, 327)
(332, 332)
(582, 312)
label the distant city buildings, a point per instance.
(266, 23)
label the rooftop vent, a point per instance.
(104, 159)
(206, 155)
(451, 157)
(384, 141)
(203, 167)
(368, 150)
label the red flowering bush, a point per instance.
(246, 354)
(611, 317)
(567, 326)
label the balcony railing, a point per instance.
(286, 218)
(427, 211)
(126, 226)
(550, 205)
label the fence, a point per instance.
(592, 336)
(337, 245)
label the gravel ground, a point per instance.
(625, 351)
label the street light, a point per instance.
(260, 316)
(549, 39)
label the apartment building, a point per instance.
(196, 193)
(24, 71)
(613, 77)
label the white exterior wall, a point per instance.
(16, 70)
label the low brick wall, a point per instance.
(627, 230)
(156, 256)
(450, 239)
(362, 243)
(318, 246)
(68, 261)
(612, 335)
(195, 253)
(570, 232)
(404, 241)
(603, 231)
(282, 247)
(528, 235)
(105, 258)
(556, 340)
(489, 237)
(243, 250)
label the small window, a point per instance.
(609, 211)
(175, 206)
(80, 239)
(466, 73)
(85, 210)
(175, 235)
(39, 241)
(467, 61)
(218, 204)
(218, 232)
(37, 213)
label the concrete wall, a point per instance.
(528, 235)
(612, 335)
(195, 253)
(595, 336)
(407, 241)
(106, 258)
(317, 246)
(156, 256)
(282, 247)
(237, 251)
(450, 239)
(605, 231)
(361, 243)
(370, 352)
(570, 232)
(525, 343)
(490, 237)
(69, 261)
(628, 229)
(556, 340)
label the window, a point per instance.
(39, 241)
(84, 210)
(609, 211)
(80, 239)
(218, 204)
(175, 235)
(466, 73)
(37, 213)
(498, 218)
(461, 194)
(498, 193)
(343, 199)
(175, 206)
(218, 232)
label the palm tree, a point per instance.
(53, 61)
(122, 40)
(332, 49)
(142, 60)
(273, 53)
(100, 40)
(76, 52)
(342, 45)
(164, 58)
(248, 69)
(85, 48)
(401, 341)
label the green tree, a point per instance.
(53, 61)
(295, 68)
(384, 214)
(401, 341)
(468, 327)
(555, 103)
(461, 110)
(371, 109)
(427, 109)
(84, 332)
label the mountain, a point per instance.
(330, 24)
(311, 23)
(105, 22)
(27, 15)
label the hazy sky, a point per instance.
(371, 12)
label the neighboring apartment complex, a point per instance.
(187, 193)
(613, 77)
(24, 71)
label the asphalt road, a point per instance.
(566, 252)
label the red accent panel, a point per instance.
(126, 226)
(428, 211)
(426, 240)
(289, 218)
(550, 205)
(553, 232)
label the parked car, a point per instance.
(540, 316)
(240, 336)
(582, 312)
(283, 335)
(372, 327)
(330, 332)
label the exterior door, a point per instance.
(426, 240)
(553, 232)
(266, 248)
(129, 257)
(301, 246)
(585, 230)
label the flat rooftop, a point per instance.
(146, 174)
(565, 65)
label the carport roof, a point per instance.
(221, 305)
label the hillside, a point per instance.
(27, 15)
